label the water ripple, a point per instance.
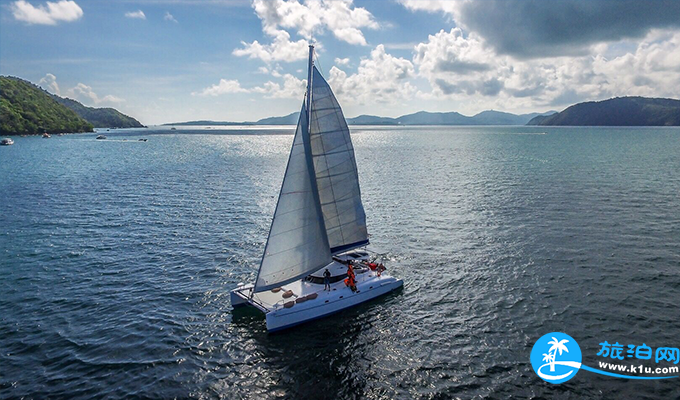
(117, 259)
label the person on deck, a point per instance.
(351, 280)
(327, 280)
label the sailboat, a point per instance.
(318, 234)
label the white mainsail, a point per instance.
(297, 243)
(319, 211)
(336, 170)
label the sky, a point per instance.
(176, 60)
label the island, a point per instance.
(619, 111)
(27, 109)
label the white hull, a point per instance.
(340, 297)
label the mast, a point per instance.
(310, 67)
(307, 143)
(297, 244)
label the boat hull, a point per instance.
(339, 298)
(288, 318)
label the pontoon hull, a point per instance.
(288, 318)
(327, 303)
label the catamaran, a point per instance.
(315, 262)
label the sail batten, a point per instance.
(336, 170)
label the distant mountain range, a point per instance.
(420, 118)
(99, 117)
(619, 111)
(27, 109)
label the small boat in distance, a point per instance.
(143, 140)
(312, 264)
(101, 137)
(46, 135)
(6, 142)
(173, 129)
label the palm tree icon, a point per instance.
(547, 357)
(557, 346)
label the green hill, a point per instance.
(25, 109)
(99, 117)
(619, 111)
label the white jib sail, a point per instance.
(297, 243)
(336, 170)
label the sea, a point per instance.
(117, 257)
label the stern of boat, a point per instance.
(242, 296)
(239, 296)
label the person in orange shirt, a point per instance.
(351, 278)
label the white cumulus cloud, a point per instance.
(454, 63)
(292, 88)
(447, 6)
(139, 14)
(341, 61)
(466, 69)
(85, 93)
(49, 14)
(281, 49)
(80, 92)
(381, 77)
(340, 17)
(169, 17)
(49, 83)
(223, 87)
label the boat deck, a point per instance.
(306, 299)
(273, 300)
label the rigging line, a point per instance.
(318, 63)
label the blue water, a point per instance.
(117, 257)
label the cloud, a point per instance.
(537, 29)
(49, 83)
(281, 49)
(467, 69)
(454, 64)
(139, 14)
(342, 61)
(292, 88)
(224, 87)
(379, 78)
(84, 92)
(454, 53)
(80, 92)
(49, 14)
(169, 17)
(447, 6)
(340, 17)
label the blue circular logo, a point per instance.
(556, 357)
